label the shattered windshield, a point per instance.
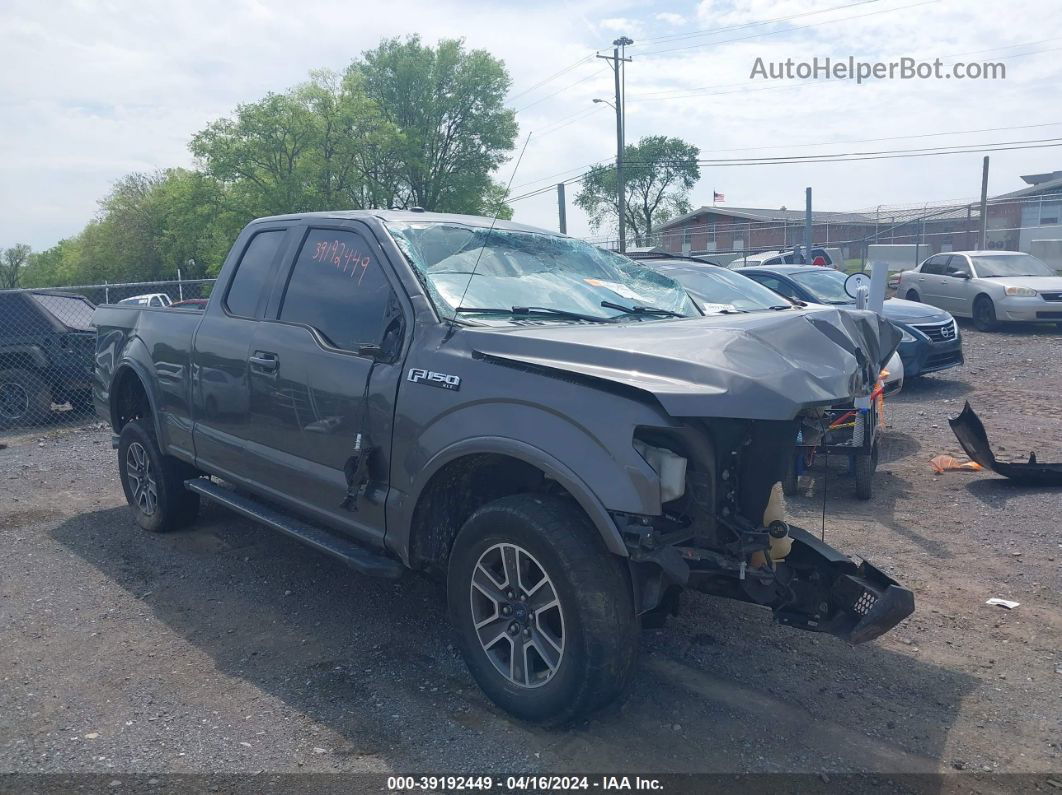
(467, 269)
(991, 266)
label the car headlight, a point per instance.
(1026, 292)
(670, 466)
(906, 336)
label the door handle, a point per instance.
(267, 362)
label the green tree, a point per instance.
(12, 262)
(449, 105)
(658, 174)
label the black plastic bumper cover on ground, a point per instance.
(970, 432)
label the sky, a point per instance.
(94, 90)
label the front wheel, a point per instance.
(984, 314)
(865, 466)
(544, 614)
(153, 482)
(912, 295)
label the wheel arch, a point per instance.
(466, 475)
(130, 397)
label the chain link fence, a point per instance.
(48, 345)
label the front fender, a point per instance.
(551, 466)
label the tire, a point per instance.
(865, 466)
(25, 398)
(589, 634)
(984, 314)
(912, 295)
(154, 483)
(789, 479)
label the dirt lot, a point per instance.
(230, 648)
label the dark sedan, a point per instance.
(931, 339)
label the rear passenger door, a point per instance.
(927, 282)
(324, 369)
(220, 351)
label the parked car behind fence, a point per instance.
(47, 343)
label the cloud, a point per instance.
(106, 88)
(671, 19)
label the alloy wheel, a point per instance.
(141, 479)
(517, 615)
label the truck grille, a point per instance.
(940, 332)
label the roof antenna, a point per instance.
(486, 238)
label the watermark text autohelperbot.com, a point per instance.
(851, 68)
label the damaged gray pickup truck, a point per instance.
(552, 430)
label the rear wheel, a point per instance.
(984, 314)
(153, 482)
(544, 614)
(24, 398)
(912, 295)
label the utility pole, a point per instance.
(984, 206)
(561, 209)
(618, 60)
(808, 240)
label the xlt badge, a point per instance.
(442, 380)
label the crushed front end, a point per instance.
(726, 534)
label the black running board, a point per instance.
(357, 557)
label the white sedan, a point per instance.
(991, 287)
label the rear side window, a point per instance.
(252, 272)
(339, 288)
(934, 265)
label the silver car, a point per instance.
(992, 287)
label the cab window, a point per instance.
(339, 288)
(252, 273)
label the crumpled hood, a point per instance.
(761, 366)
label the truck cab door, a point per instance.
(220, 351)
(323, 373)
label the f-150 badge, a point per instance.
(441, 380)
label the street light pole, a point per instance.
(621, 188)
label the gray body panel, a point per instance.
(565, 398)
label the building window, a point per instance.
(687, 235)
(1049, 213)
(711, 233)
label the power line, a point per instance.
(842, 157)
(559, 91)
(554, 76)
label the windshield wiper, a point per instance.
(780, 307)
(641, 310)
(530, 310)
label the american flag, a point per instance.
(718, 197)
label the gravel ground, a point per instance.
(228, 648)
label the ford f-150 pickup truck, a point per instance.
(553, 431)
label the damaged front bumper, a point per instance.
(816, 587)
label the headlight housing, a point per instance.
(1025, 292)
(669, 465)
(905, 335)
